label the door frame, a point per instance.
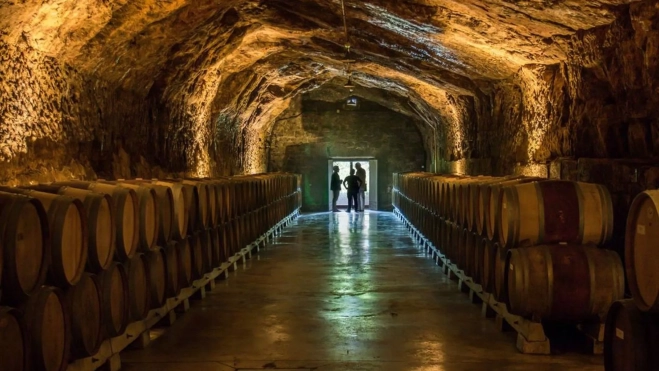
(373, 166)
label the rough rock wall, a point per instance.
(313, 131)
(40, 102)
(602, 102)
(57, 124)
(144, 87)
(593, 118)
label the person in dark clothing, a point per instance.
(352, 184)
(335, 186)
(361, 195)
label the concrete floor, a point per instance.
(340, 292)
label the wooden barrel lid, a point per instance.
(84, 300)
(196, 249)
(184, 262)
(167, 214)
(127, 223)
(207, 250)
(192, 206)
(70, 229)
(148, 211)
(13, 341)
(173, 286)
(631, 338)
(149, 221)
(157, 277)
(499, 272)
(641, 253)
(48, 324)
(215, 247)
(102, 231)
(138, 284)
(25, 247)
(130, 223)
(114, 291)
(29, 247)
(202, 192)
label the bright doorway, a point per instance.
(345, 164)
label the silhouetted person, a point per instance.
(335, 186)
(352, 183)
(361, 196)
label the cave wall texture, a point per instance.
(315, 130)
(144, 88)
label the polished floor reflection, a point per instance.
(340, 292)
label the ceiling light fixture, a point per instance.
(345, 28)
(348, 61)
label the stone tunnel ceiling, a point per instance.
(195, 86)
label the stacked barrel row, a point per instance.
(532, 243)
(631, 336)
(81, 260)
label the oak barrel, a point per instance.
(481, 201)
(487, 266)
(229, 203)
(173, 283)
(631, 338)
(178, 213)
(198, 255)
(454, 192)
(471, 251)
(157, 261)
(454, 243)
(499, 271)
(214, 200)
(114, 297)
(186, 195)
(216, 247)
(207, 244)
(169, 223)
(14, 350)
(203, 202)
(48, 325)
(476, 262)
(466, 242)
(69, 241)
(642, 251)
(206, 198)
(194, 209)
(492, 213)
(185, 262)
(126, 214)
(555, 211)
(221, 196)
(563, 282)
(84, 301)
(465, 192)
(225, 241)
(138, 287)
(68, 235)
(100, 223)
(24, 246)
(443, 195)
(149, 214)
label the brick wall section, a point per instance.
(304, 142)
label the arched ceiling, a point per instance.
(459, 41)
(249, 58)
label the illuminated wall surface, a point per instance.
(157, 88)
(320, 130)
